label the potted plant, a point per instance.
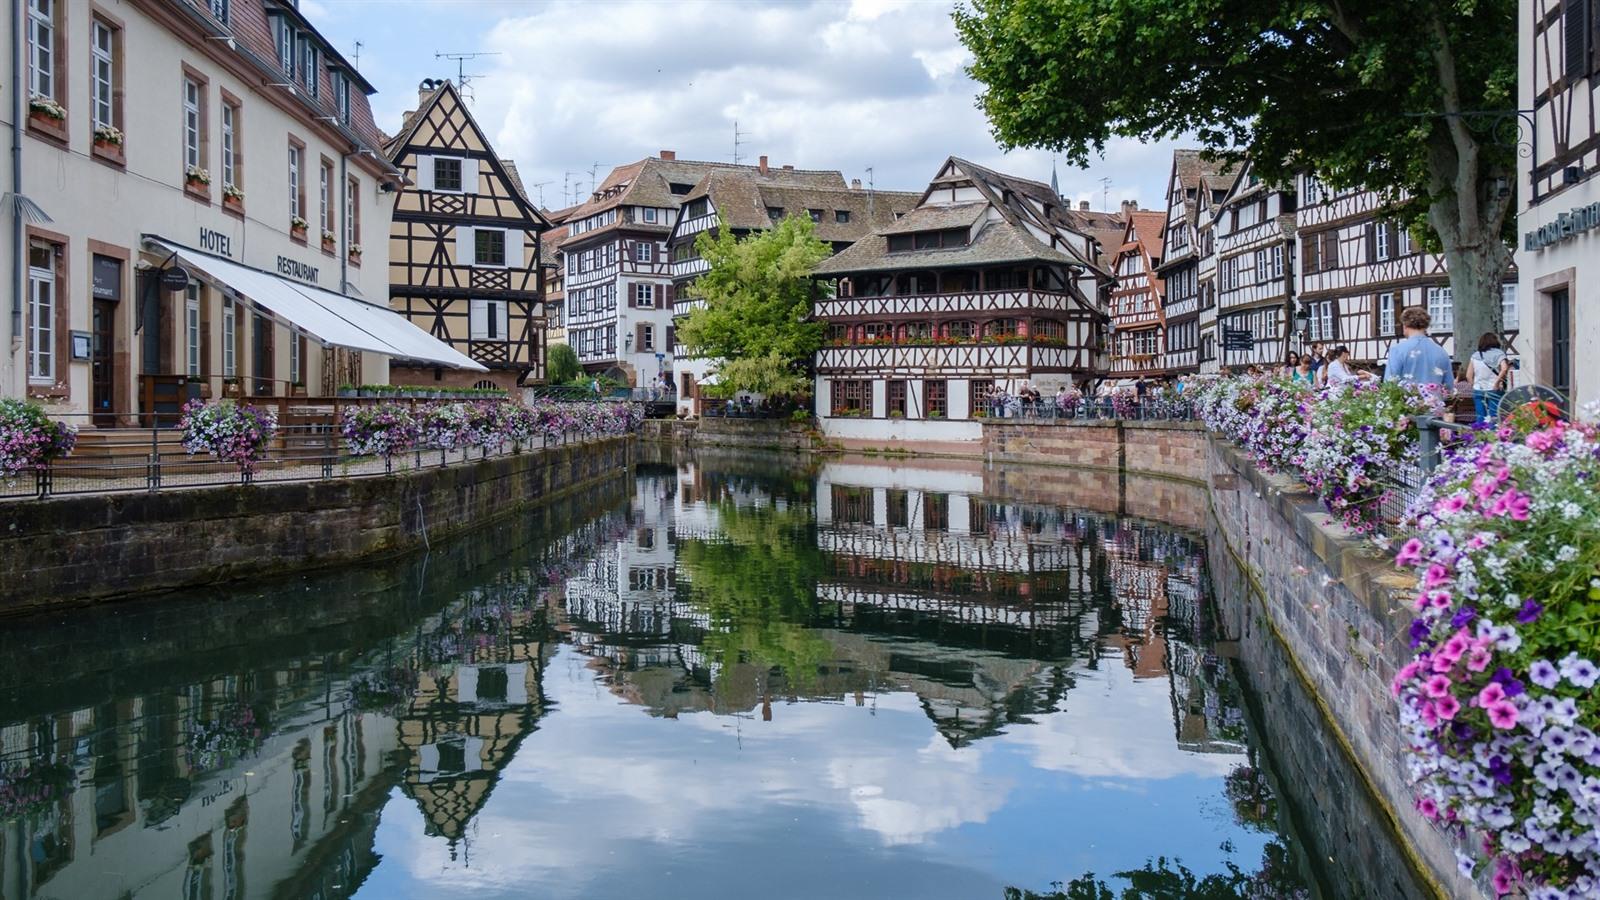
(197, 178)
(297, 389)
(231, 387)
(232, 197)
(896, 414)
(329, 240)
(347, 390)
(46, 111)
(297, 228)
(108, 141)
(355, 253)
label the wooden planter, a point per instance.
(110, 151)
(298, 233)
(329, 247)
(233, 204)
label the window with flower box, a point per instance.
(41, 28)
(232, 176)
(933, 399)
(896, 396)
(105, 75)
(852, 397)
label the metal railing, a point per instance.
(1046, 409)
(1404, 482)
(152, 458)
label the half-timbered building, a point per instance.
(464, 245)
(1189, 187)
(1137, 317)
(555, 283)
(1559, 194)
(744, 202)
(1359, 267)
(619, 281)
(984, 286)
(1254, 229)
(1210, 200)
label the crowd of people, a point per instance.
(1418, 358)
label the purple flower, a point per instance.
(1530, 612)
(1581, 672)
(1542, 673)
(1463, 616)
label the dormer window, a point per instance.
(815, 214)
(285, 46)
(308, 66)
(944, 239)
(219, 9)
(775, 213)
(341, 96)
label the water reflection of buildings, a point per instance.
(984, 609)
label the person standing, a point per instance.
(1418, 358)
(1291, 364)
(1488, 370)
(1339, 370)
(1303, 372)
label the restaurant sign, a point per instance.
(294, 268)
(1566, 226)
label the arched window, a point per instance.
(876, 332)
(1048, 331)
(998, 328)
(838, 333)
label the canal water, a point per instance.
(724, 677)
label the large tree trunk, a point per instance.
(1478, 267)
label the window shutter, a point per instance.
(638, 336)
(669, 294)
(466, 250)
(1576, 29)
(477, 314)
(514, 257)
(469, 176)
(1372, 242)
(672, 337)
(425, 173)
(628, 246)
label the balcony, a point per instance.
(964, 303)
(1004, 358)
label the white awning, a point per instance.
(331, 318)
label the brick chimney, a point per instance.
(855, 184)
(668, 154)
(788, 168)
(762, 166)
(1130, 206)
(1083, 206)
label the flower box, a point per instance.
(297, 229)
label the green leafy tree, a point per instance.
(561, 364)
(757, 313)
(1391, 95)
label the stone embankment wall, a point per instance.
(1338, 609)
(766, 434)
(78, 549)
(1170, 449)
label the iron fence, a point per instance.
(1048, 410)
(149, 459)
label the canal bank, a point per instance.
(71, 550)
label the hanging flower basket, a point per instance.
(231, 431)
(29, 439)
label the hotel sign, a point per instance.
(1567, 225)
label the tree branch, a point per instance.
(1467, 153)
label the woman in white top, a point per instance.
(1488, 370)
(1339, 370)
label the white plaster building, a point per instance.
(1559, 195)
(228, 139)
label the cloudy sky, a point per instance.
(828, 84)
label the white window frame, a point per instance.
(219, 9)
(295, 154)
(1441, 308)
(341, 96)
(42, 319)
(461, 182)
(352, 195)
(295, 375)
(1387, 310)
(505, 249)
(230, 333)
(1509, 311)
(191, 124)
(1380, 242)
(103, 73)
(324, 191)
(648, 336)
(644, 252)
(308, 66)
(644, 295)
(649, 215)
(191, 330)
(42, 48)
(230, 161)
(1321, 327)
(286, 46)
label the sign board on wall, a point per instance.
(1566, 226)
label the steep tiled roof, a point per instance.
(744, 201)
(998, 242)
(649, 182)
(1148, 224)
(935, 218)
(251, 31)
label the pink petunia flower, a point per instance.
(1502, 715)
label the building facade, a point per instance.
(195, 183)
(1254, 231)
(1559, 195)
(618, 279)
(464, 246)
(1138, 318)
(985, 286)
(555, 282)
(1359, 267)
(745, 201)
(1189, 188)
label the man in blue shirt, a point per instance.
(1418, 358)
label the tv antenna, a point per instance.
(870, 186)
(355, 58)
(462, 78)
(737, 141)
(539, 186)
(566, 187)
(594, 171)
(1105, 194)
